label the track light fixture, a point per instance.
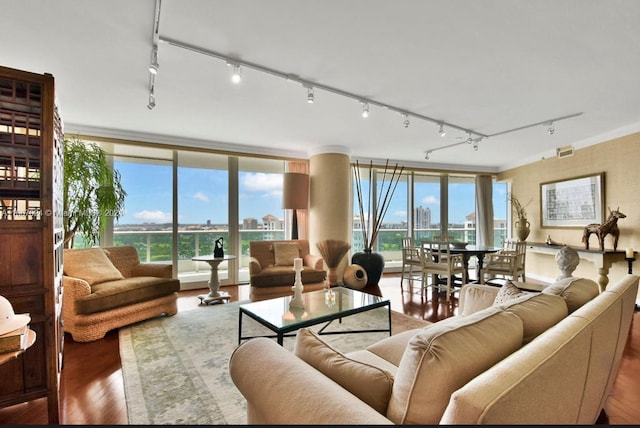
(475, 145)
(551, 129)
(365, 110)
(154, 66)
(310, 95)
(152, 100)
(236, 77)
(427, 154)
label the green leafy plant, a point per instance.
(92, 191)
(519, 210)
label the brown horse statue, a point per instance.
(609, 227)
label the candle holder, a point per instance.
(630, 261)
(297, 302)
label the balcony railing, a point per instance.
(157, 246)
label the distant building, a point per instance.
(250, 223)
(422, 217)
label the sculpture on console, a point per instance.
(609, 227)
(568, 260)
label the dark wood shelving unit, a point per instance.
(31, 232)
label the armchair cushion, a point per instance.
(285, 252)
(90, 264)
(369, 383)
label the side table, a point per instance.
(214, 295)
(7, 356)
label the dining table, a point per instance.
(479, 251)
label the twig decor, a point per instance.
(371, 225)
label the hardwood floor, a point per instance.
(92, 390)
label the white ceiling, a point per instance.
(487, 66)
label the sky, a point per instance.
(203, 196)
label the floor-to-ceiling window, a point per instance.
(260, 205)
(461, 225)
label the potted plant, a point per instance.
(372, 262)
(522, 225)
(92, 191)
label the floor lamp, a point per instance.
(295, 196)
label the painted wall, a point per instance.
(619, 159)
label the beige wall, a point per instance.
(619, 159)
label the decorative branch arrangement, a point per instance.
(517, 207)
(371, 225)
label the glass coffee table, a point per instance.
(319, 308)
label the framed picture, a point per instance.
(575, 202)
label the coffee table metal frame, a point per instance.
(343, 296)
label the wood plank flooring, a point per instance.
(92, 390)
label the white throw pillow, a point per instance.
(508, 292)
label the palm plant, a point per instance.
(92, 191)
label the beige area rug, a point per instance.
(175, 369)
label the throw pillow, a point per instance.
(90, 264)
(285, 252)
(575, 291)
(369, 383)
(508, 292)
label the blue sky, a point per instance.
(203, 195)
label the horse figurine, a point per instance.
(609, 227)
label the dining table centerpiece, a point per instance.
(371, 219)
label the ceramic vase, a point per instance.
(522, 229)
(371, 262)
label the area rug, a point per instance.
(175, 369)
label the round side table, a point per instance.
(214, 296)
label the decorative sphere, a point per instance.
(355, 277)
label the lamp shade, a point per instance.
(295, 191)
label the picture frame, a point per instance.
(572, 203)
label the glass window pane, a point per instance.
(148, 214)
(203, 213)
(462, 209)
(259, 205)
(499, 213)
(426, 212)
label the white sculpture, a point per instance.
(567, 259)
(297, 302)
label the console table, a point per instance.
(601, 259)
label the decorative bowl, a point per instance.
(459, 245)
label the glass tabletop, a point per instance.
(318, 306)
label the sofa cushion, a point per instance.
(446, 355)
(391, 348)
(508, 292)
(285, 252)
(124, 292)
(538, 312)
(90, 264)
(369, 383)
(575, 291)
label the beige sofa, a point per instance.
(107, 288)
(271, 271)
(539, 358)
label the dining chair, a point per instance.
(438, 262)
(410, 261)
(508, 263)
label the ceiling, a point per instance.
(484, 66)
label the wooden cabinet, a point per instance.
(31, 232)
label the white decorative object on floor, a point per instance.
(298, 288)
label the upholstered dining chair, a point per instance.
(508, 263)
(411, 263)
(438, 262)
